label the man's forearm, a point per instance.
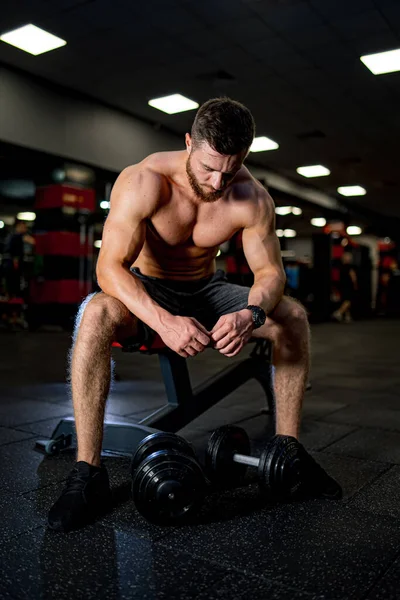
(267, 291)
(118, 281)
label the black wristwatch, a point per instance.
(259, 315)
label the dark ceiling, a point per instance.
(295, 63)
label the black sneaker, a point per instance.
(315, 480)
(86, 496)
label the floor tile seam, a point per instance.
(240, 421)
(18, 426)
(240, 418)
(321, 418)
(9, 396)
(353, 457)
(115, 417)
(318, 420)
(25, 439)
(237, 406)
(369, 483)
(41, 400)
(24, 398)
(243, 571)
(372, 513)
(350, 402)
(338, 388)
(360, 427)
(27, 531)
(339, 439)
(210, 561)
(320, 375)
(356, 458)
(241, 405)
(53, 483)
(133, 414)
(14, 428)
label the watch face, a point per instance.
(259, 316)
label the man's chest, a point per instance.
(207, 227)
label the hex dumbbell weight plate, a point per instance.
(223, 444)
(168, 487)
(160, 441)
(287, 472)
(279, 470)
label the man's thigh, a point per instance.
(217, 298)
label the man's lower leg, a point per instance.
(90, 382)
(292, 364)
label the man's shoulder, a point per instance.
(155, 169)
(141, 173)
(143, 186)
(163, 163)
(245, 182)
(256, 200)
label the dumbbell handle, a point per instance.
(246, 460)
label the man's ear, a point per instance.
(188, 142)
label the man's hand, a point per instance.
(231, 332)
(184, 335)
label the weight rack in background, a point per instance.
(64, 253)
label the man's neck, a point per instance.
(183, 179)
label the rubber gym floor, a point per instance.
(239, 548)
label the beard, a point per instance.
(198, 190)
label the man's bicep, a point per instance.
(260, 243)
(132, 201)
(123, 239)
(262, 250)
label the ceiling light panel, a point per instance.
(32, 39)
(176, 103)
(262, 144)
(313, 171)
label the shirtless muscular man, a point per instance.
(156, 269)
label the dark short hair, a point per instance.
(226, 125)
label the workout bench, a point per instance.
(184, 404)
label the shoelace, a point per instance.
(75, 483)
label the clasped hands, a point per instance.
(188, 337)
(231, 332)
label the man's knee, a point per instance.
(297, 314)
(289, 313)
(292, 339)
(100, 310)
(293, 321)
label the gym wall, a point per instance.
(48, 119)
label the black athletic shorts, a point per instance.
(205, 299)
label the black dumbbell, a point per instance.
(162, 440)
(168, 484)
(278, 468)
